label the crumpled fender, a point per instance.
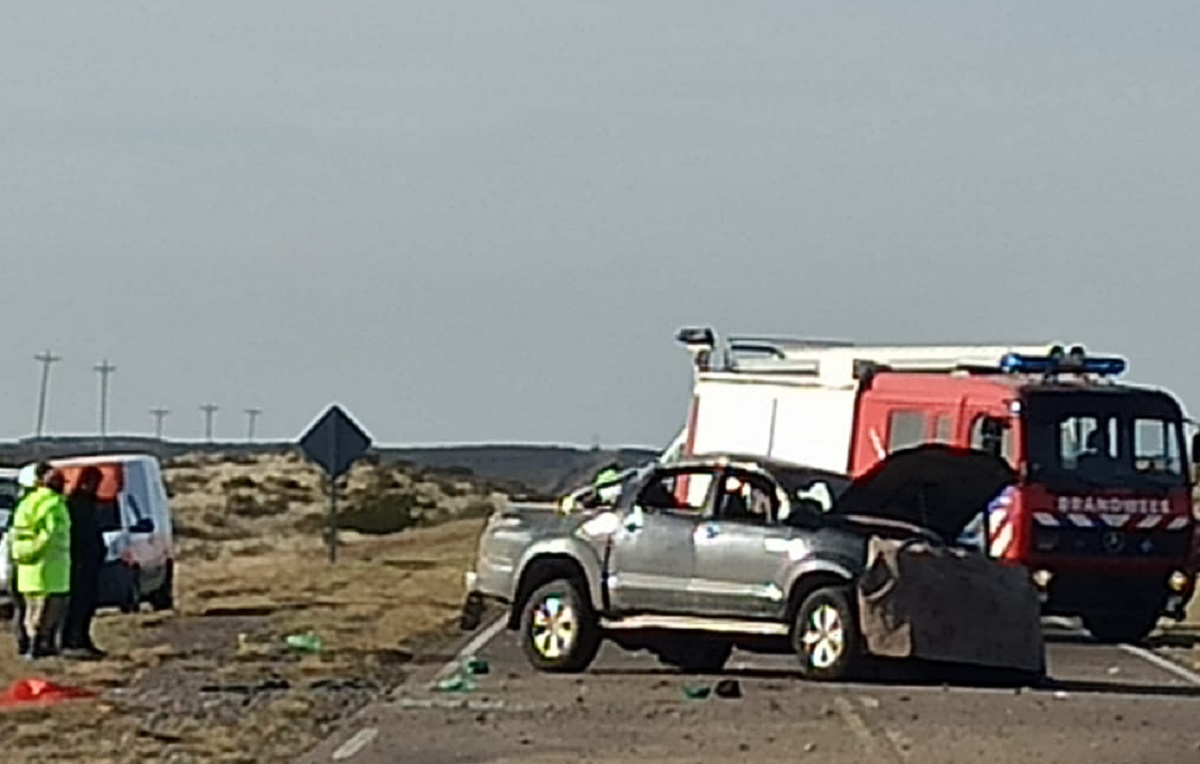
(580, 551)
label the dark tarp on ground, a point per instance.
(945, 604)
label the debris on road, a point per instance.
(308, 642)
(39, 691)
(729, 689)
(696, 692)
(475, 666)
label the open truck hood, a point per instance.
(934, 486)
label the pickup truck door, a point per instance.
(737, 564)
(650, 559)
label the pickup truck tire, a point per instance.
(559, 630)
(693, 655)
(826, 636)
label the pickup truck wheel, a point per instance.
(825, 634)
(559, 629)
(694, 655)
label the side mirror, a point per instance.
(144, 525)
(1195, 448)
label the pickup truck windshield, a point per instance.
(1117, 439)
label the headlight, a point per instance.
(1178, 581)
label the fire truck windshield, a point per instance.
(1111, 439)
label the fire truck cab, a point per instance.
(1102, 512)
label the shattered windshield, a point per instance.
(1109, 440)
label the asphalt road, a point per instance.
(1104, 704)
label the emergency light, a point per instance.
(1056, 361)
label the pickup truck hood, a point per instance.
(934, 486)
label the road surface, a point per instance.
(1104, 704)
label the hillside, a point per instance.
(525, 472)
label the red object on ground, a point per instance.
(40, 691)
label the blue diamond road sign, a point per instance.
(334, 441)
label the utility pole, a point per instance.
(209, 409)
(104, 368)
(251, 416)
(159, 415)
(46, 359)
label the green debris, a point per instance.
(457, 683)
(696, 692)
(475, 666)
(307, 642)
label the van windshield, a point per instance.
(1117, 439)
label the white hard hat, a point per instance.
(27, 476)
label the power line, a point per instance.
(159, 415)
(104, 368)
(46, 359)
(251, 416)
(209, 409)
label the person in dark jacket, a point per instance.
(87, 555)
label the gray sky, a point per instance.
(471, 221)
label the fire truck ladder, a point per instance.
(840, 362)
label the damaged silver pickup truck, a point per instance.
(699, 556)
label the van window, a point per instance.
(943, 433)
(1007, 446)
(905, 429)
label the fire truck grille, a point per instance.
(1111, 542)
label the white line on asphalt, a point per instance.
(354, 745)
(900, 743)
(478, 641)
(1151, 657)
(857, 726)
(1166, 665)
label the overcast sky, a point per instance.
(475, 221)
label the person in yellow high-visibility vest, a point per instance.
(40, 543)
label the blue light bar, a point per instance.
(1016, 363)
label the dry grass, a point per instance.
(214, 681)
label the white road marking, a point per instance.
(354, 745)
(1151, 657)
(478, 641)
(1166, 665)
(900, 743)
(468, 705)
(857, 726)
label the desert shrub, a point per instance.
(380, 513)
(479, 506)
(240, 481)
(246, 505)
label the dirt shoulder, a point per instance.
(215, 681)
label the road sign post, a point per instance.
(334, 441)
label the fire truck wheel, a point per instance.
(826, 636)
(1116, 629)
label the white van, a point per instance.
(9, 492)
(135, 518)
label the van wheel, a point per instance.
(559, 630)
(163, 598)
(132, 601)
(825, 635)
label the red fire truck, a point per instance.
(1102, 514)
